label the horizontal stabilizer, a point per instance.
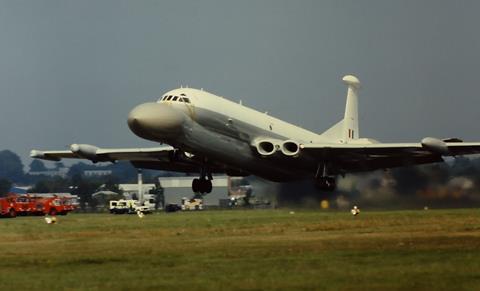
(335, 133)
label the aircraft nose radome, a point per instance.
(153, 119)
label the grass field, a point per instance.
(244, 250)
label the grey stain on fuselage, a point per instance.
(210, 134)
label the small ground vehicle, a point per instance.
(192, 204)
(131, 206)
(122, 206)
(172, 208)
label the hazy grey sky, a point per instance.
(70, 71)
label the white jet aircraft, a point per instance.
(209, 134)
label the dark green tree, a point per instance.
(40, 187)
(59, 165)
(111, 184)
(123, 171)
(59, 184)
(37, 166)
(5, 186)
(84, 189)
(104, 199)
(55, 184)
(11, 166)
(78, 168)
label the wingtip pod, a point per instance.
(35, 153)
(75, 148)
(351, 80)
(85, 150)
(435, 145)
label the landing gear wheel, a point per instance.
(208, 186)
(196, 185)
(12, 213)
(201, 186)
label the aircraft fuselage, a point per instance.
(222, 132)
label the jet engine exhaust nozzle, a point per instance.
(266, 148)
(290, 148)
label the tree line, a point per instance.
(75, 182)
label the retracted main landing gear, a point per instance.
(202, 185)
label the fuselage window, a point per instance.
(169, 98)
(186, 100)
(183, 94)
(175, 98)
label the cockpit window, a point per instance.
(175, 98)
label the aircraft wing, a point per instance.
(53, 155)
(368, 157)
(160, 158)
(96, 154)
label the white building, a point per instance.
(130, 189)
(96, 173)
(62, 172)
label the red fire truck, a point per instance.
(14, 205)
(54, 205)
(7, 206)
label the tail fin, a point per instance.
(347, 129)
